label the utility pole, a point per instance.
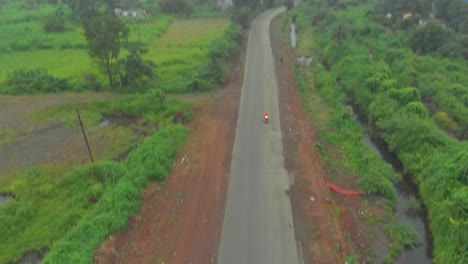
(84, 135)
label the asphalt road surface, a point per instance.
(258, 226)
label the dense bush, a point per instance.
(212, 73)
(150, 161)
(34, 81)
(152, 102)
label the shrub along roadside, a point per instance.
(150, 161)
(378, 76)
(211, 72)
(376, 176)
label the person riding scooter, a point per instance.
(266, 117)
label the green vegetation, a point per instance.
(339, 128)
(407, 99)
(401, 236)
(58, 209)
(151, 161)
(152, 108)
(29, 55)
(71, 215)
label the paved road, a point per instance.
(258, 226)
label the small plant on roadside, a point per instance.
(353, 259)
(337, 210)
(174, 217)
(160, 260)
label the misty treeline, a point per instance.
(439, 26)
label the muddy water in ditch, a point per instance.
(32, 257)
(407, 210)
(5, 198)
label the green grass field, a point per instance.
(176, 46)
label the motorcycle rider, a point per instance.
(266, 116)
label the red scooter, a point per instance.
(266, 117)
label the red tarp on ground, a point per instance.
(339, 190)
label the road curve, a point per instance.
(258, 226)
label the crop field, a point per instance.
(177, 46)
(184, 46)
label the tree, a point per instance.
(105, 36)
(82, 10)
(429, 38)
(133, 67)
(32, 4)
(340, 32)
(252, 4)
(454, 12)
(289, 4)
(176, 6)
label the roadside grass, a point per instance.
(46, 210)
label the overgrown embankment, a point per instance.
(416, 103)
(54, 209)
(151, 161)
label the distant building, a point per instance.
(131, 13)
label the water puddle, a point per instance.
(293, 36)
(116, 120)
(32, 257)
(5, 198)
(408, 208)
